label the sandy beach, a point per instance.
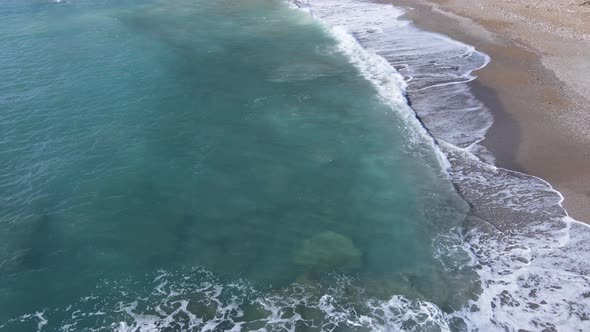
(537, 84)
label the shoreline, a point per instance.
(540, 122)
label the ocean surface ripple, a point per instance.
(264, 166)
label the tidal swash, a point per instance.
(189, 165)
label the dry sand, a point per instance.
(537, 85)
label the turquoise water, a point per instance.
(217, 144)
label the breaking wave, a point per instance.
(196, 300)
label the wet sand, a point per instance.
(537, 84)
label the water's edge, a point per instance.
(527, 246)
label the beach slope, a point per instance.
(537, 84)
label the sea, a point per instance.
(264, 165)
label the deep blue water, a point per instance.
(221, 143)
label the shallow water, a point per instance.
(162, 159)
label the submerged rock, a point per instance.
(328, 251)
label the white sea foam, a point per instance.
(434, 66)
(532, 256)
(196, 300)
(390, 84)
